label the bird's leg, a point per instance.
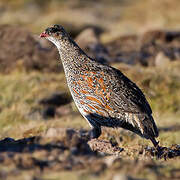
(160, 151)
(95, 132)
(155, 143)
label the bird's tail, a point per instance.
(141, 124)
(149, 128)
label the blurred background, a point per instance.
(139, 37)
(116, 17)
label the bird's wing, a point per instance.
(126, 96)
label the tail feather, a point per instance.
(149, 127)
(144, 125)
(141, 124)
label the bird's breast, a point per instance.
(90, 93)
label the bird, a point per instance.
(104, 96)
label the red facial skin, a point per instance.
(42, 35)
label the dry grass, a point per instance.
(116, 17)
(20, 92)
(20, 113)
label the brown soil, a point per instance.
(72, 151)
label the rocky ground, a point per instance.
(66, 150)
(42, 134)
(21, 48)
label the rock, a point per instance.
(120, 176)
(143, 49)
(161, 60)
(89, 41)
(86, 37)
(159, 36)
(159, 41)
(124, 49)
(52, 132)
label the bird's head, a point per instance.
(54, 34)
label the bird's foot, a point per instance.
(155, 143)
(159, 150)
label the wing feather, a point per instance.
(127, 96)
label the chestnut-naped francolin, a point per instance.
(103, 94)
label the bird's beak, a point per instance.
(43, 35)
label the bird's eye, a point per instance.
(56, 26)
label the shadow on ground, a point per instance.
(76, 142)
(44, 154)
(173, 128)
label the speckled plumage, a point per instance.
(103, 95)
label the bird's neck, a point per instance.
(72, 56)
